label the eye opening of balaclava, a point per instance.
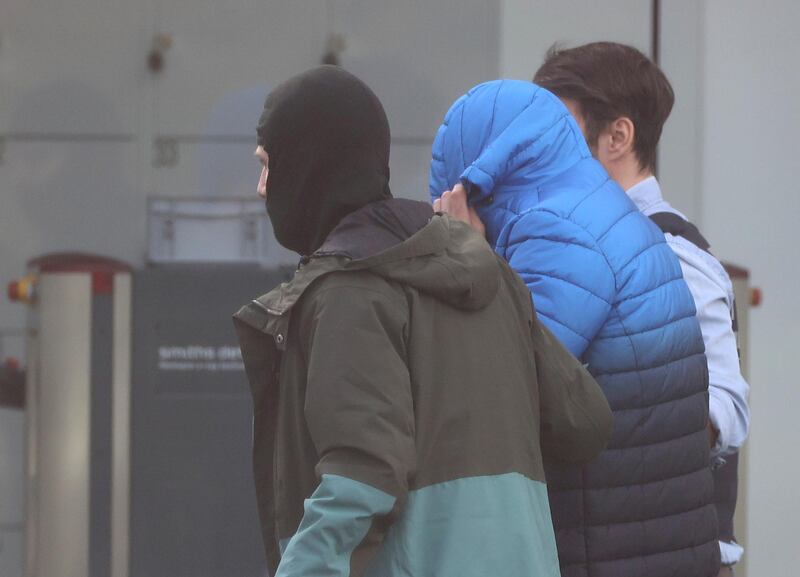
(327, 137)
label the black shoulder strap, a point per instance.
(673, 224)
(726, 477)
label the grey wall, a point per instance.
(82, 114)
(680, 152)
(11, 491)
(750, 207)
(530, 27)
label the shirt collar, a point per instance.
(646, 195)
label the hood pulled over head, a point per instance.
(327, 137)
(501, 134)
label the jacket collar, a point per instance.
(270, 313)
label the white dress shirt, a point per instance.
(712, 290)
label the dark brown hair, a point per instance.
(608, 81)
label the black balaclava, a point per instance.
(327, 138)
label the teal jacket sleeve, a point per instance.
(570, 279)
(337, 522)
(360, 415)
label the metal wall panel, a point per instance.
(11, 473)
(207, 169)
(680, 159)
(70, 67)
(221, 49)
(418, 56)
(12, 495)
(11, 552)
(750, 209)
(408, 165)
(530, 27)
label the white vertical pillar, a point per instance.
(63, 425)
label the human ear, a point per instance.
(619, 137)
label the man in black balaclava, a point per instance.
(329, 135)
(403, 390)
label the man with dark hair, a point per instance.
(621, 100)
(404, 392)
(613, 91)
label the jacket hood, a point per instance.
(402, 240)
(504, 132)
(327, 137)
(399, 240)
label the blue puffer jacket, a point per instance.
(608, 286)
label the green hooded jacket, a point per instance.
(404, 399)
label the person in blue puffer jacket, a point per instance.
(609, 287)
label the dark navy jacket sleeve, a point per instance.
(572, 283)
